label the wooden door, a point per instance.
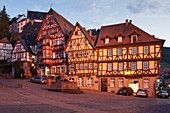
(104, 84)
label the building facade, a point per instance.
(51, 41)
(82, 59)
(5, 49)
(128, 56)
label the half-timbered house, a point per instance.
(21, 51)
(128, 56)
(82, 58)
(51, 41)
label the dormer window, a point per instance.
(107, 40)
(119, 39)
(133, 38)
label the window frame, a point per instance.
(89, 81)
(121, 80)
(109, 67)
(119, 51)
(134, 50)
(120, 66)
(110, 52)
(107, 40)
(146, 51)
(111, 82)
(146, 84)
(145, 65)
(133, 66)
(119, 39)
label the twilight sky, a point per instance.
(153, 16)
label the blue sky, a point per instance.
(153, 16)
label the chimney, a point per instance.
(90, 32)
(130, 21)
(126, 21)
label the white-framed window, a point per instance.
(89, 81)
(109, 66)
(86, 66)
(119, 39)
(90, 65)
(120, 66)
(80, 82)
(83, 41)
(145, 65)
(81, 66)
(53, 69)
(134, 50)
(110, 52)
(71, 79)
(146, 83)
(107, 40)
(79, 32)
(119, 51)
(134, 66)
(133, 38)
(73, 43)
(112, 82)
(80, 53)
(146, 50)
(120, 82)
(77, 66)
(84, 53)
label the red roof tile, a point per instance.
(4, 40)
(126, 31)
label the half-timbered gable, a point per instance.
(82, 58)
(51, 42)
(126, 52)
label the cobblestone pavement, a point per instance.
(35, 98)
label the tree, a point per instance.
(33, 71)
(4, 23)
(18, 67)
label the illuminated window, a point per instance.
(145, 50)
(86, 66)
(107, 40)
(134, 50)
(88, 53)
(119, 51)
(134, 66)
(110, 52)
(73, 43)
(121, 82)
(53, 69)
(146, 83)
(95, 65)
(77, 66)
(90, 65)
(145, 65)
(79, 32)
(71, 79)
(110, 67)
(89, 81)
(80, 82)
(119, 39)
(112, 82)
(83, 41)
(120, 66)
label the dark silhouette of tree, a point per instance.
(4, 23)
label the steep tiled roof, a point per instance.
(65, 25)
(36, 15)
(125, 30)
(26, 46)
(4, 40)
(87, 35)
